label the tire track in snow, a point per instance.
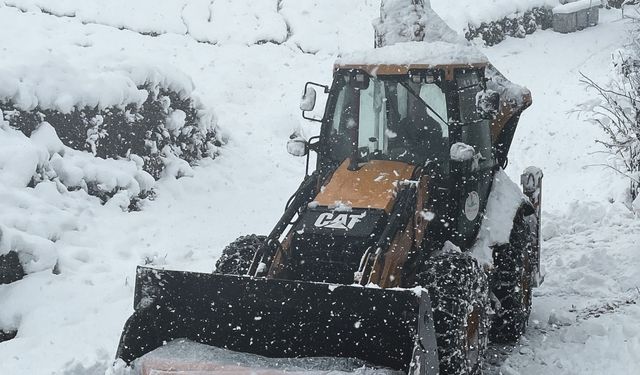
(585, 316)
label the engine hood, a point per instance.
(373, 186)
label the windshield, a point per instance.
(392, 118)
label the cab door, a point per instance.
(472, 177)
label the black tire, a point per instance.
(511, 284)
(236, 258)
(459, 298)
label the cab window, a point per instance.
(475, 130)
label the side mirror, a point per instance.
(308, 101)
(297, 145)
(463, 158)
(461, 152)
(488, 104)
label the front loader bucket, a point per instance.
(280, 318)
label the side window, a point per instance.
(468, 87)
(337, 116)
(477, 134)
(433, 95)
(338, 139)
(402, 100)
(475, 131)
(367, 116)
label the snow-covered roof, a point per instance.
(416, 54)
(576, 6)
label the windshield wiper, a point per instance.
(417, 96)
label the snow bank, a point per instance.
(55, 83)
(489, 21)
(35, 253)
(585, 316)
(40, 183)
(219, 22)
(27, 161)
(141, 109)
(327, 26)
(459, 14)
(504, 201)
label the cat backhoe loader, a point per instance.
(374, 257)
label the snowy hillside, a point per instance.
(246, 63)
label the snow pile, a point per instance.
(340, 206)
(114, 103)
(467, 13)
(410, 32)
(510, 93)
(19, 157)
(586, 314)
(504, 201)
(57, 84)
(42, 157)
(580, 216)
(406, 20)
(144, 112)
(44, 184)
(190, 356)
(35, 253)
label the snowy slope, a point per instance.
(70, 323)
(585, 317)
(553, 133)
(312, 25)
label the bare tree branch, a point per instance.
(618, 113)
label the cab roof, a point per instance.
(401, 57)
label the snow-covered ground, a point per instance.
(69, 323)
(585, 318)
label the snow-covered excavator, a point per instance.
(383, 254)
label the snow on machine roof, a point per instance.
(401, 57)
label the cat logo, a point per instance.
(338, 220)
